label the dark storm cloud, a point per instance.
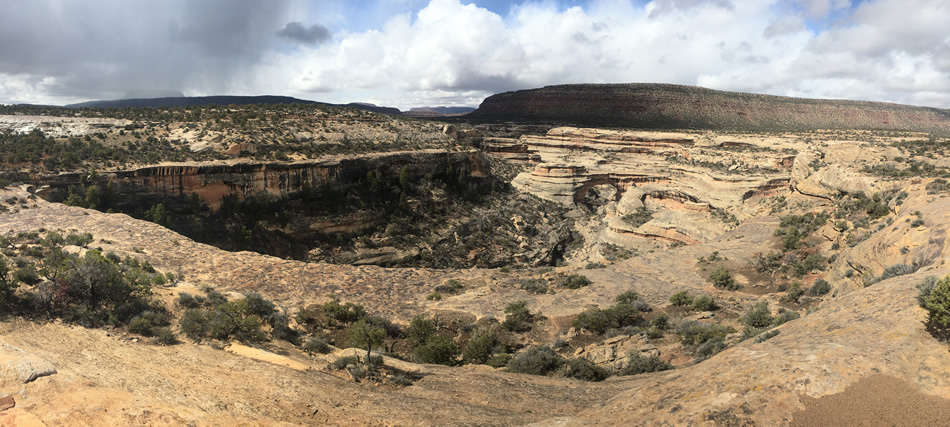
(311, 35)
(110, 47)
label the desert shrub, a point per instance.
(255, 304)
(783, 316)
(820, 287)
(721, 278)
(937, 304)
(638, 218)
(481, 347)
(27, 274)
(499, 360)
(194, 324)
(799, 267)
(538, 360)
(535, 286)
(165, 336)
(231, 320)
(637, 363)
(437, 349)
(82, 240)
(681, 298)
(594, 265)
(343, 313)
(343, 362)
(317, 345)
(451, 287)
(661, 321)
(705, 303)
(363, 334)
(186, 300)
(599, 321)
(937, 186)
(627, 297)
(653, 333)
(419, 331)
(696, 333)
(576, 281)
(583, 369)
(749, 332)
(767, 335)
(53, 239)
(710, 348)
(924, 288)
(793, 294)
(769, 263)
(894, 271)
(281, 330)
(146, 323)
(434, 296)
(518, 318)
(401, 380)
(757, 316)
(214, 297)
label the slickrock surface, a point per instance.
(104, 380)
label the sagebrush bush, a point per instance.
(757, 316)
(481, 347)
(628, 297)
(194, 324)
(599, 321)
(637, 363)
(165, 336)
(681, 298)
(721, 278)
(696, 333)
(710, 348)
(419, 331)
(186, 300)
(539, 360)
(438, 350)
(146, 323)
(784, 316)
(820, 287)
(583, 369)
(518, 318)
(576, 281)
(317, 345)
(499, 360)
(705, 303)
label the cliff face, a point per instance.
(688, 107)
(171, 184)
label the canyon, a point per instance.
(510, 204)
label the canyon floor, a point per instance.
(654, 212)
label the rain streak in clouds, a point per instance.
(407, 53)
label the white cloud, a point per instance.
(456, 54)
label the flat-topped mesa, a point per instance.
(665, 106)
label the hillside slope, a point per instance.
(668, 106)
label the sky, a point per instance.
(412, 53)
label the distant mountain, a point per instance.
(184, 101)
(438, 111)
(152, 93)
(665, 106)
